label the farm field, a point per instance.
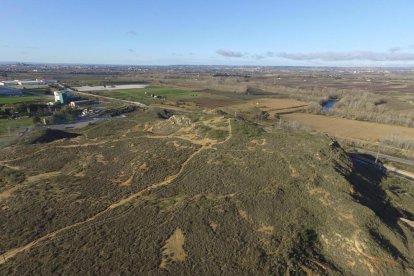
(109, 87)
(22, 99)
(269, 104)
(346, 128)
(211, 101)
(171, 94)
(272, 106)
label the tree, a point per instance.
(263, 115)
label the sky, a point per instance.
(213, 32)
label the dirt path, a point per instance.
(109, 98)
(13, 252)
(3, 163)
(7, 193)
(31, 179)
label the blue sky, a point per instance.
(300, 32)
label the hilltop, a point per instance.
(198, 193)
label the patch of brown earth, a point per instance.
(266, 229)
(124, 183)
(101, 159)
(243, 214)
(260, 142)
(7, 193)
(42, 176)
(143, 168)
(213, 225)
(173, 250)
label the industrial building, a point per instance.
(27, 82)
(9, 83)
(62, 96)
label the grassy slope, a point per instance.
(258, 203)
(12, 125)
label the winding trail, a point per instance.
(13, 252)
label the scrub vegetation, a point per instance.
(200, 194)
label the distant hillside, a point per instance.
(199, 194)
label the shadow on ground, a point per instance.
(366, 178)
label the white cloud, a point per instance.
(349, 56)
(229, 53)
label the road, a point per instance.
(387, 157)
(387, 168)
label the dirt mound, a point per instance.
(172, 124)
(180, 120)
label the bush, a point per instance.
(65, 115)
(398, 141)
(36, 119)
(314, 108)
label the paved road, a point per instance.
(386, 168)
(387, 157)
(108, 98)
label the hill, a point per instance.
(199, 194)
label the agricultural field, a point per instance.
(110, 87)
(345, 128)
(143, 94)
(197, 193)
(23, 99)
(271, 105)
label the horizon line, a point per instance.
(205, 65)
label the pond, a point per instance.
(329, 104)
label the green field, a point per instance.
(20, 99)
(12, 125)
(39, 89)
(171, 94)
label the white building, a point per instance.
(62, 96)
(31, 82)
(27, 82)
(10, 83)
